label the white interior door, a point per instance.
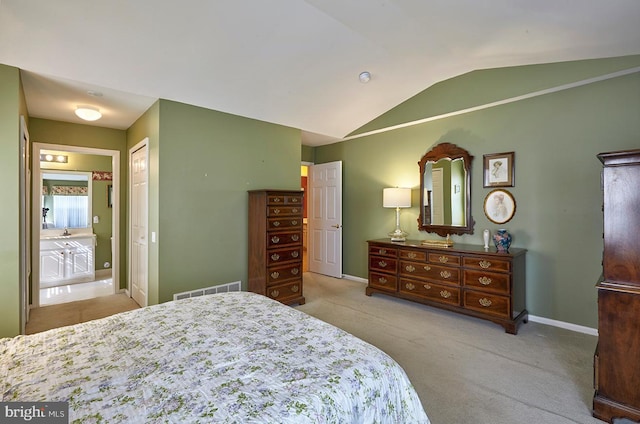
(25, 227)
(437, 205)
(325, 219)
(139, 204)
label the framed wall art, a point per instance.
(499, 169)
(499, 206)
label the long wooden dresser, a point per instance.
(464, 278)
(275, 244)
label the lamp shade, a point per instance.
(396, 197)
(88, 113)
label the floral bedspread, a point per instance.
(230, 358)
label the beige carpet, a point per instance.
(53, 316)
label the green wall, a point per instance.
(11, 105)
(205, 162)
(555, 137)
(79, 135)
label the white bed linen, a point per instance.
(233, 358)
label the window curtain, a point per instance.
(70, 211)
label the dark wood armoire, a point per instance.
(617, 357)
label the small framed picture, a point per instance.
(499, 169)
(499, 206)
(110, 195)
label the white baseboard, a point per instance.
(565, 325)
(532, 318)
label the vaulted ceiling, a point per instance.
(290, 62)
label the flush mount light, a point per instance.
(54, 158)
(364, 77)
(88, 113)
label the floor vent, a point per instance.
(222, 288)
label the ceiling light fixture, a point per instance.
(88, 113)
(364, 77)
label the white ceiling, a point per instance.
(291, 62)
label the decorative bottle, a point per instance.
(502, 240)
(485, 236)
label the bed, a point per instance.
(230, 358)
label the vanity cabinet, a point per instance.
(616, 360)
(464, 278)
(67, 259)
(275, 244)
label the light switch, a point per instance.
(96, 219)
(153, 236)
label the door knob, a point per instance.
(336, 226)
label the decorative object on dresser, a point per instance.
(275, 244)
(499, 170)
(445, 191)
(499, 206)
(467, 279)
(502, 240)
(617, 356)
(485, 237)
(397, 198)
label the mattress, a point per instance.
(229, 358)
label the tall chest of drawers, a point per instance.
(275, 244)
(465, 278)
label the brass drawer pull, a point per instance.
(275, 239)
(274, 293)
(276, 223)
(410, 286)
(484, 264)
(277, 200)
(382, 251)
(427, 268)
(295, 237)
(411, 255)
(295, 254)
(294, 210)
(443, 259)
(295, 271)
(294, 200)
(294, 222)
(485, 281)
(445, 274)
(427, 286)
(295, 288)
(275, 275)
(485, 302)
(410, 268)
(382, 280)
(275, 257)
(276, 211)
(445, 293)
(382, 264)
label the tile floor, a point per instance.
(78, 291)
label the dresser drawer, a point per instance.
(487, 303)
(284, 223)
(378, 263)
(282, 292)
(486, 263)
(274, 211)
(486, 281)
(275, 257)
(283, 239)
(418, 256)
(444, 258)
(431, 272)
(383, 281)
(431, 291)
(277, 275)
(383, 251)
(284, 199)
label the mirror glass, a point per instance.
(445, 191)
(66, 199)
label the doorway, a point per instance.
(77, 262)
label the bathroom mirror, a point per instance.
(66, 199)
(445, 191)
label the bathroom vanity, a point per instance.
(67, 258)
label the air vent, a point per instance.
(222, 288)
